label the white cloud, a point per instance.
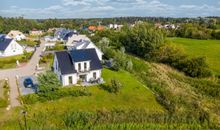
(112, 8)
(75, 2)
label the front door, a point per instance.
(70, 80)
(82, 77)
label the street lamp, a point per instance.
(25, 119)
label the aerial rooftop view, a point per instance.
(109, 65)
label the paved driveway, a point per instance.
(11, 74)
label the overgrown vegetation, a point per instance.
(113, 87)
(54, 95)
(48, 82)
(4, 89)
(149, 43)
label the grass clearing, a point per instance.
(132, 95)
(208, 48)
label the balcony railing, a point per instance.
(83, 71)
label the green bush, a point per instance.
(113, 87)
(48, 82)
(54, 95)
(3, 102)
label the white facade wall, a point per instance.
(90, 74)
(83, 69)
(13, 49)
(20, 37)
(64, 79)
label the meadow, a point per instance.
(207, 48)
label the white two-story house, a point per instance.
(77, 65)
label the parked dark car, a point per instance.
(28, 83)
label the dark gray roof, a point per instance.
(87, 55)
(65, 63)
(4, 42)
(67, 58)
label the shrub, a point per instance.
(113, 87)
(3, 102)
(48, 82)
(115, 66)
(54, 95)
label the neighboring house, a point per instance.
(85, 44)
(82, 42)
(92, 28)
(76, 38)
(50, 39)
(63, 34)
(36, 32)
(77, 65)
(17, 35)
(115, 26)
(9, 47)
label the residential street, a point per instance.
(26, 70)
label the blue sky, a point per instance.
(108, 8)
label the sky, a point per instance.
(41, 9)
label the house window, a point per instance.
(56, 65)
(70, 80)
(85, 66)
(94, 75)
(79, 67)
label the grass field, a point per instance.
(208, 48)
(132, 95)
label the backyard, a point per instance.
(208, 48)
(141, 96)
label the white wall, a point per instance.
(75, 77)
(20, 37)
(65, 79)
(13, 49)
(90, 74)
(82, 66)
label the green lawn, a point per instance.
(28, 43)
(208, 48)
(10, 62)
(132, 95)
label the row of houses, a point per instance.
(9, 45)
